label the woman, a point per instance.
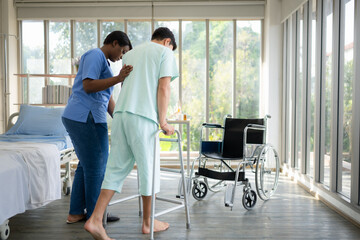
(85, 120)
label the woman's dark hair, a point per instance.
(120, 37)
(164, 32)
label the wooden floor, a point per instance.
(291, 214)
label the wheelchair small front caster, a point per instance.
(199, 190)
(249, 199)
(4, 230)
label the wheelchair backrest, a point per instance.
(233, 142)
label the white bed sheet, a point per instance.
(29, 176)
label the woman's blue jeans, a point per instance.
(91, 145)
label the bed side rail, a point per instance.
(10, 122)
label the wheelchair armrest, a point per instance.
(211, 125)
(252, 127)
(255, 127)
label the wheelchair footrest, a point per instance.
(228, 195)
(220, 175)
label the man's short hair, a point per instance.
(120, 37)
(164, 32)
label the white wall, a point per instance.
(8, 27)
(289, 6)
(272, 72)
(1, 68)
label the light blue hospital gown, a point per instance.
(136, 117)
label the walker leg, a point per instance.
(184, 187)
(105, 218)
(153, 191)
(140, 199)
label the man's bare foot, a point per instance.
(75, 218)
(158, 226)
(97, 231)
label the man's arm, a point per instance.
(91, 86)
(163, 98)
(111, 106)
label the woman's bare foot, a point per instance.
(75, 218)
(158, 226)
(96, 230)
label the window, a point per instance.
(191, 56)
(348, 78)
(106, 28)
(33, 58)
(248, 50)
(319, 76)
(312, 81)
(110, 26)
(59, 50)
(139, 32)
(85, 37)
(289, 91)
(327, 73)
(175, 101)
(299, 88)
(174, 98)
(194, 76)
(220, 71)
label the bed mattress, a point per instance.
(61, 142)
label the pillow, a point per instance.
(34, 120)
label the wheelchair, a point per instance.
(222, 164)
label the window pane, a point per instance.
(85, 37)
(299, 89)
(290, 97)
(174, 103)
(220, 71)
(106, 28)
(347, 104)
(194, 76)
(248, 49)
(139, 32)
(33, 57)
(174, 98)
(328, 34)
(110, 26)
(59, 50)
(312, 87)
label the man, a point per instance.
(139, 111)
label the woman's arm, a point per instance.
(111, 106)
(91, 85)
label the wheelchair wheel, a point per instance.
(267, 172)
(66, 187)
(199, 190)
(249, 199)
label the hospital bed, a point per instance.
(31, 153)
